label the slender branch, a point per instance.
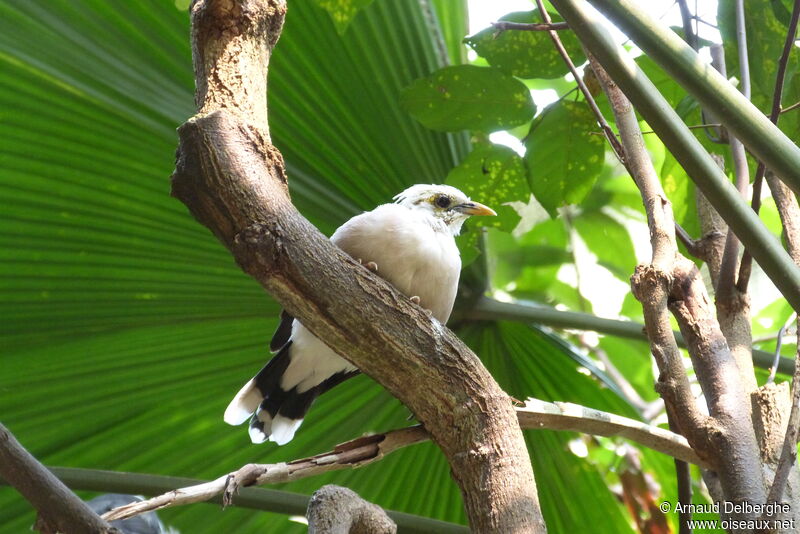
(778, 345)
(790, 108)
(726, 283)
(59, 509)
(733, 303)
(504, 25)
(488, 309)
(774, 116)
(601, 121)
(684, 479)
(650, 283)
(672, 282)
(269, 500)
(535, 415)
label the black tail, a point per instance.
(276, 413)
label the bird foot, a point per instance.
(371, 265)
(415, 299)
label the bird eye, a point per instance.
(442, 201)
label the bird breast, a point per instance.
(414, 252)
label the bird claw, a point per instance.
(371, 265)
(415, 299)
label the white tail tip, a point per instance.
(283, 429)
(243, 404)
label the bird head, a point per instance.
(443, 203)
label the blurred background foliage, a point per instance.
(126, 328)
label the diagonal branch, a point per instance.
(234, 182)
(59, 509)
(601, 121)
(536, 415)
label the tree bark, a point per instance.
(337, 510)
(234, 182)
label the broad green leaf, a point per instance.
(342, 11)
(526, 54)
(766, 34)
(466, 97)
(467, 243)
(609, 241)
(563, 156)
(493, 175)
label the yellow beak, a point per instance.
(475, 208)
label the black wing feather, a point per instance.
(282, 333)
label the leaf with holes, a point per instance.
(493, 175)
(563, 156)
(342, 11)
(523, 53)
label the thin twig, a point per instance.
(535, 414)
(778, 344)
(690, 36)
(601, 121)
(726, 283)
(504, 25)
(790, 108)
(695, 127)
(774, 116)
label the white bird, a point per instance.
(411, 244)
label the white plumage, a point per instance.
(412, 243)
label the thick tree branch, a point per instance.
(337, 510)
(59, 509)
(233, 181)
(673, 282)
(535, 415)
